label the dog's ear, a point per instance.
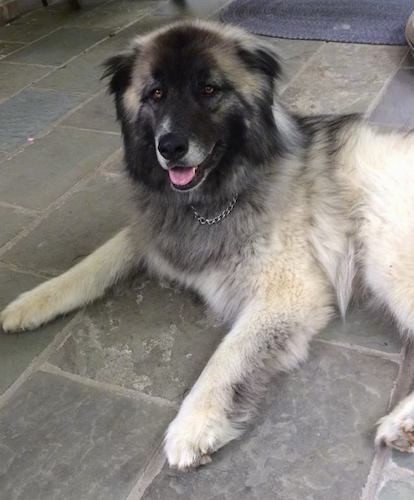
(119, 69)
(261, 56)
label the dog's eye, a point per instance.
(157, 94)
(208, 91)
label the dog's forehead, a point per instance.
(197, 52)
(185, 52)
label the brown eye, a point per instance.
(157, 94)
(208, 90)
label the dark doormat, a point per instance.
(355, 21)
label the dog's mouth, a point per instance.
(184, 178)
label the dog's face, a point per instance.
(193, 100)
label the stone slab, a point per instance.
(24, 33)
(409, 60)
(97, 114)
(293, 55)
(83, 74)
(46, 169)
(63, 440)
(86, 220)
(343, 78)
(404, 460)
(397, 490)
(13, 77)
(8, 47)
(30, 112)
(12, 221)
(396, 105)
(59, 46)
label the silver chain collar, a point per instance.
(227, 211)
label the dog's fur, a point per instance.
(323, 203)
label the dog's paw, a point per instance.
(192, 437)
(28, 311)
(397, 429)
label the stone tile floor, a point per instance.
(85, 400)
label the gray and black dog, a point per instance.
(272, 218)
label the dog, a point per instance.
(278, 221)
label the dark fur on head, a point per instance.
(240, 121)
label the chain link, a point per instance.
(227, 211)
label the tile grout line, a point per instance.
(28, 44)
(149, 472)
(393, 472)
(71, 111)
(73, 127)
(113, 156)
(47, 367)
(304, 66)
(71, 92)
(37, 65)
(218, 9)
(13, 267)
(54, 66)
(52, 70)
(10, 43)
(369, 491)
(401, 388)
(395, 357)
(405, 376)
(284, 82)
(19, 209)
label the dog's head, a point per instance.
(195, 101)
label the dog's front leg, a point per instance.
(261, 342)
(80, 285)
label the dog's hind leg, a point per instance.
(394, 287)
(269, 336)
(79, 285)
(397, 428)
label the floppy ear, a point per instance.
(119, 69)
(261, 56)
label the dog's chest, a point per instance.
(224, 289)
(213, 263)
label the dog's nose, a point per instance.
(173, 146)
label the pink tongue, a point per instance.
(181, 176)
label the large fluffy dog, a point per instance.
(274, 219)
